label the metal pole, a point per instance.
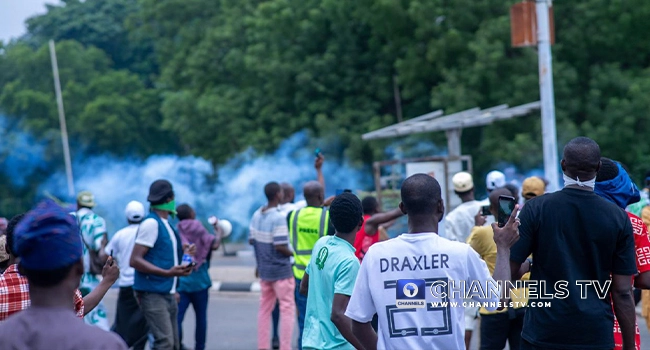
(549, 134)
(64, 128)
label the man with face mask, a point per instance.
(156, 258)
(574, 236)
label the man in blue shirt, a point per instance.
(329, 280)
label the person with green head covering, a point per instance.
(156, 258)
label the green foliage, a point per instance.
(212, 78)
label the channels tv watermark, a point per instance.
(410, 293)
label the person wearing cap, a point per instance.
(129, 323)
(94, 238)
(532, 187)
(156, 258)
(51, 258)
(14, 287)
(458, 226)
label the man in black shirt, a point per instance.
(574, 236)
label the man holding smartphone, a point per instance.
(500, 326)
(156, 258)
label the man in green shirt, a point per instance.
(329, 280)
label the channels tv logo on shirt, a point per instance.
(409, 294)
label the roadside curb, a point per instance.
(236, 286)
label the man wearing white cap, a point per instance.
(493, 180)
(130, 323)
(458, 226)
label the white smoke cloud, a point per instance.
(233, 191)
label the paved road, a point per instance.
(232, 321)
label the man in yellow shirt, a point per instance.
(497, 327)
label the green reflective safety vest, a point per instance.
(306, 226)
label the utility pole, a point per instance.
(64, 128)
(549, 133)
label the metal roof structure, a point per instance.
(437, 121)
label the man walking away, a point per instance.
(94, 237)
(421, 254)
(372, 220)
(51, 253)
(614, 184)
(329, 280)
(156, 258)
(574, 235)
(306, 226)
(130, 323)
(268, 230)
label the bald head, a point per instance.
(314, 194)
(289, 193)
(581, 158)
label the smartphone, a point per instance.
(317, 153)
(506, 206)
(485, 210)
(192, 264)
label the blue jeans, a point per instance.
(301, 305)
(199, 302)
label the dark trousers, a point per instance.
(129, 320)
(161, 313)
(301, 306)
(496, 329)
(199, 301)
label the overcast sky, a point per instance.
(13, 14)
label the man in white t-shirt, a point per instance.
(156, 258)
(458, 226)
(422, 255)
(129, 320)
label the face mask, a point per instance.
(169, 206)
(569, 181)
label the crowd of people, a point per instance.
(59, 261)
(327, 266)
(346, 277)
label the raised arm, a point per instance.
(372, 224)
(318, 165)
(110, 274)
(505, 237)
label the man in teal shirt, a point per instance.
(329, 280)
